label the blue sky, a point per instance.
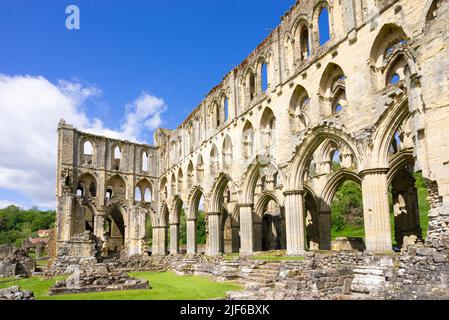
(125, 54)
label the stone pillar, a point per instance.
(257, 236)
(214, 233)
(294, 219)
(235, 239)
(99, 226)
(65, 223)
(324, 225)
(174, 238)
(159, 240)
(376, 210)
(191, 236)
(246, 229)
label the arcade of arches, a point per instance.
(321, 140)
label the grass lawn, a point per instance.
(165, 286)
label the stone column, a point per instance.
(324, 226)
(65, 224)
(159, 239)
(174, 238)
(294, 219)
(99, 226)
(214, 233)
(191, 236)
(246, 229)
(235, 239)
(257, 236)
(376, 210)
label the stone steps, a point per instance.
(367, 280)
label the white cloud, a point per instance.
(5, 204)
(30, 109)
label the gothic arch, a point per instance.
(193, 202)
(216, 201)
(333, 184)
(389, 123)
(332, 89)
(308, 146)
(299, 109)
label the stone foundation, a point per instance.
(100, 278)
(15, 262)
(14, 293)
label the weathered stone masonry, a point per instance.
(259, 148)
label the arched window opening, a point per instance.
(304, 43)
(200, 170)
(248, 140)
(164, 189)
(324, 26)
(299, 109)
(333, 90)
(336, 160)
(88, 153)
(145, 162)
(226, 108)
(87, 184)
(264, 77)
(190, 176)
(214, 161)
(116, 158)
(252, 87)
(148, 196)
(217, 115)
(180, 181)
(80, 191)
(117, 185)
(137, 195)
(93, 189)
(227, 153)
(268, 127)
(109, 193)
(173, 185)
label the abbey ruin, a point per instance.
(259, 149)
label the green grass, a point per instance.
(349, 231)
(165, 286)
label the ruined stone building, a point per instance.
(259, 148)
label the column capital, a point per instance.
(175, 224)
(293, 192)
(192, 219)
(372, 171)
(213, 213)
(246, 205)
(159, 227)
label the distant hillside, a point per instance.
(17, 224)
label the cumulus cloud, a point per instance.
(31, 108)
